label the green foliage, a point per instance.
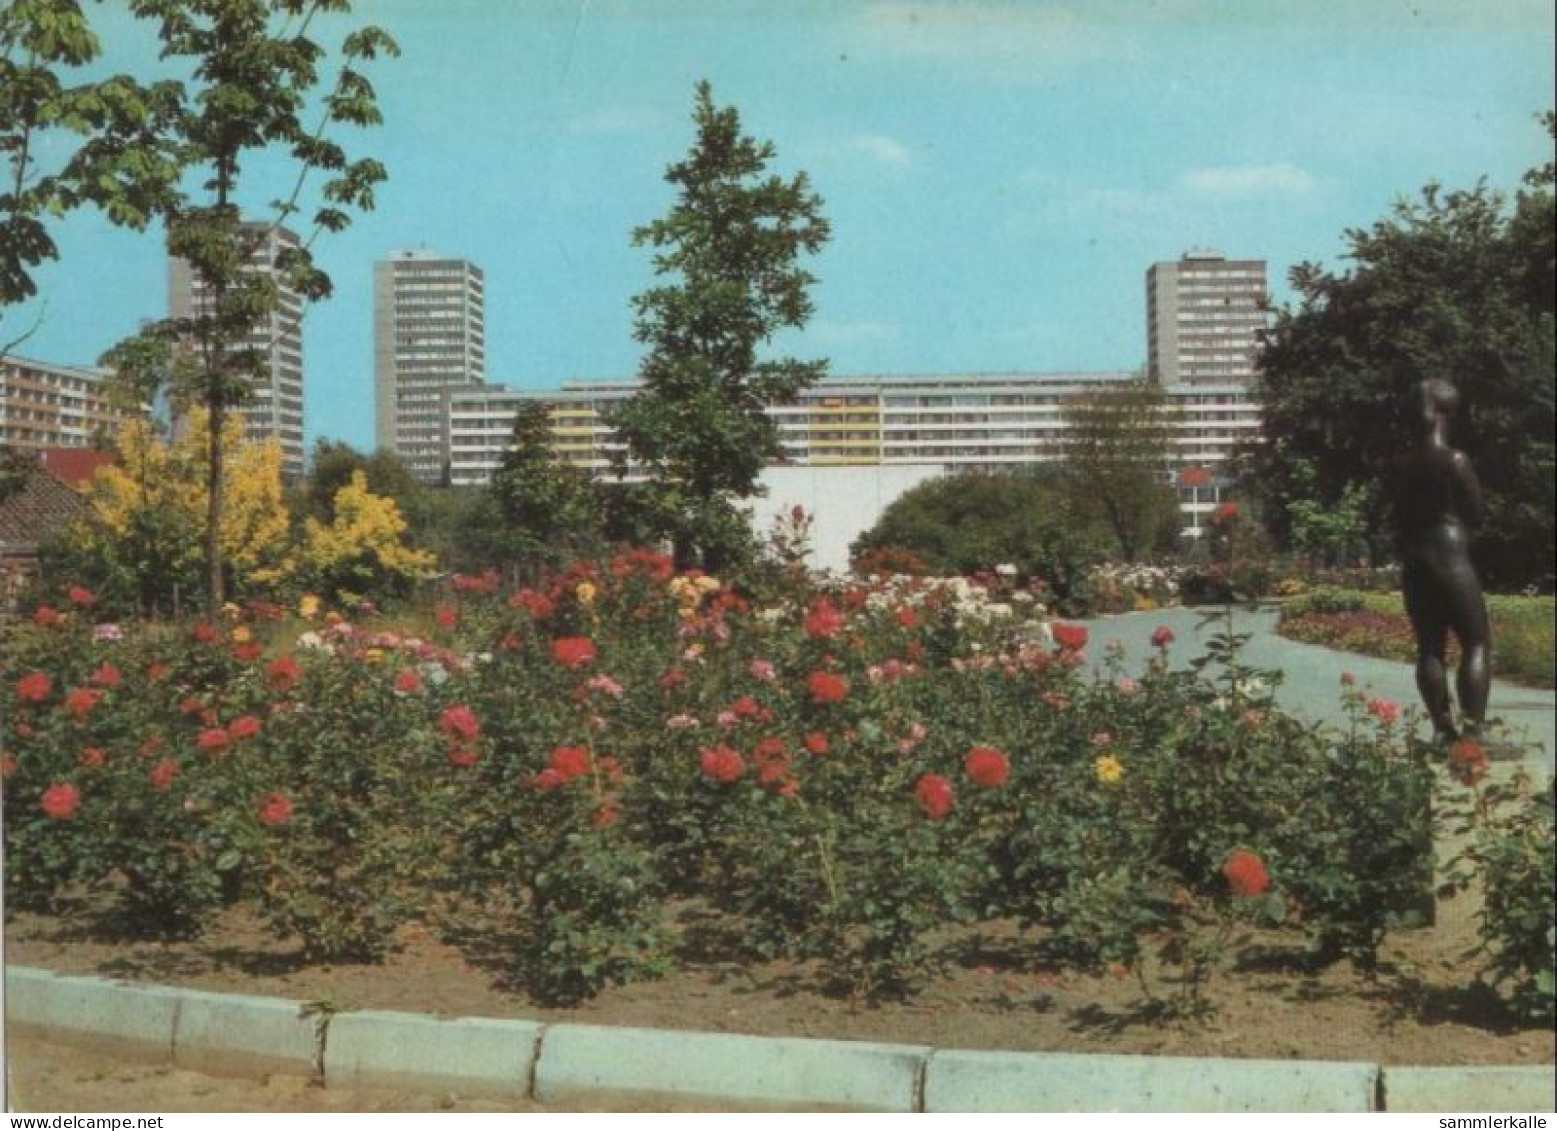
(1511, 852)
(256, 80)
(549, 511)
(962, 524)
(1116, 452)
(111, 133)
(728, 251)
(1457, 285)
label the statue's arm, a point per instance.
(1469, 490)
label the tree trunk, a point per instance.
(213, 515)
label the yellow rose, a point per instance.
(373, 655)
(585, 593)
(241, 634)
(308, 607)
(1109, 769)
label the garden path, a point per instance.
(1311, 685)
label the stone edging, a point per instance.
(242, 1035)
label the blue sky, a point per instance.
(999, 176)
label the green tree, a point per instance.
(254, 70)
(68, 143)
(1116, 455)
(729, 252)
(331, 465)
(1457, 285)
(960, 524)
(548, 511)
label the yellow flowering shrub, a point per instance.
(362, 549)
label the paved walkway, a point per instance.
(1311, 685)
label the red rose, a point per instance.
(92, 757)
(746, 707)
(827, 687)
(108, 676)
(769, 749)
(446, 617)
(163, 773)
(60, 801)
(33, 687)
(157, 671)
(1385, 710)
(81, 597)
(206, 634)
(722, 764)
(1227, 512)
(459, 722)
(274, 809)
(80, 701)
(408, 682)
(570, 761)
(1070, 637)
(935, 795)
(823, 621)
(1468, 761)
(463, 757)
(247, 652)
(214, 739)
(244, 726)
(538, 605)
(282, 673)
(816, 743)
(45, 616)
(987, 767)
(907, 617)
(1162, 636)
(548, 780)
(573, 651)
(1245, 873)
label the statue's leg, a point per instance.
(1432, 639)
(1473, 629)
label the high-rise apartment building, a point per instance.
(55, 406)
(1203, 318)
(275, 408)
(428, 338)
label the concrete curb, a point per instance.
(1015, 1081)
(407, 1050)
(762, 1073)
(238, 1035)
(1430, 1089)
(243, 1035)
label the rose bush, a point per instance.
(838, 776)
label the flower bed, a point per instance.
(842, 774)
(1375, 624)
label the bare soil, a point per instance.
(997, 992)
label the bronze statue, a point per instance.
(1438, 506)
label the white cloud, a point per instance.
(1236, 181)
(886, 150)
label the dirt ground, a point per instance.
(996, 993)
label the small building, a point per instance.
(40, 505)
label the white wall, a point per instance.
(844, 502)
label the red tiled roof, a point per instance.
(76, 466)
(40, 507)
(1194, 477)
